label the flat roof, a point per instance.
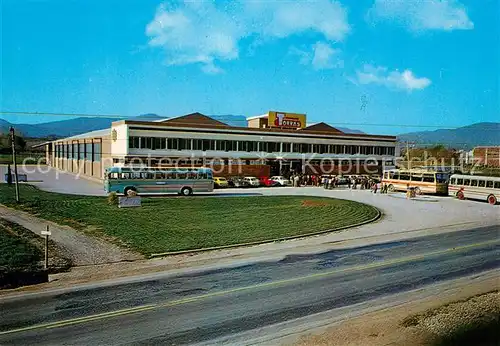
(96, 133)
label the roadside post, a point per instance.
(13, 141)
(46, 233)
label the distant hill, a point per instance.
(467, 137)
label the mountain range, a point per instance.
(72, 127)
(467, 137)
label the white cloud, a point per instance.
(208, 32)
(418, 15)
(405, 80)
(321, 56)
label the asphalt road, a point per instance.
(204, 306)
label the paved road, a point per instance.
(204, 306)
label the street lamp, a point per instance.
(13, 142)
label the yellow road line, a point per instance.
(148, 307)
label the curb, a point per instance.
(223, 247)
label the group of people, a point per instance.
(331, 182)
(305, 180)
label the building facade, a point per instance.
(273, 143)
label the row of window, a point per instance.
(161, 175)
(157, 143)
(475, 182)
(79, 151)
(427, 178)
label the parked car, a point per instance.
(252, 181)
(238, 182)
(265, 181)
(220, 182)
(282, 181)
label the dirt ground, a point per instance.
(432, 319)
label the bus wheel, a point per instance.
(492, 200)
(460, 195)
(417, 191)
(130, 192)
(391, 188)
(186, 191)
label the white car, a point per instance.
(282, 181)
(252, 181)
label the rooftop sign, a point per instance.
(286, 120)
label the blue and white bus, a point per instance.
(147, 180)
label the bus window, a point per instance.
(442, 178)
(482, 183)
(202, 175)
(113, 176)
(467, 182)
(136, 175)
(191, 175)
(125, 176)
(460, 181)
(453, 181)
(148, 175)
(489, 184)
(404, 176)
(497, 184)
(429, 178)
(181, 175)
(473, 182)
(415, 177)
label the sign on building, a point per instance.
(128, 202)
(286, 120)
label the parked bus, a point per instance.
(422, 181)
(184, 181)
(475, 187)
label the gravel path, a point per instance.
(82, 249)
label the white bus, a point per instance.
(475, 187)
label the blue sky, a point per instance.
(426, 63)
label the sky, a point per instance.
(381, 66)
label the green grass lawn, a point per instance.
(16, 251)
(33, 158)
(172, 224)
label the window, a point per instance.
(273, 147)
(158, 143)
(70, 151)
(460, 181)
(286, 147)
(184, 144)
(252, 146)
(134, 142)
(497, 184)
(97, 152)
(473, 182)
(404, 176)
(173, 143)
(391, 151)
(442, 178)
(219, 145)
(466, 182)
(305, 148)
(428, 178)
(81, 151)
(181, 175)
(416, 177)
(489, 184)
(242, 146)
(113, 176)
(230, 145)
(171, 175)
(88, 151)
(75, 151)
(481, 183)
(296, 147)
(208, 144)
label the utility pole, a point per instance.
(13, 141)
(46, 233)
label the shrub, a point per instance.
(113, 198)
